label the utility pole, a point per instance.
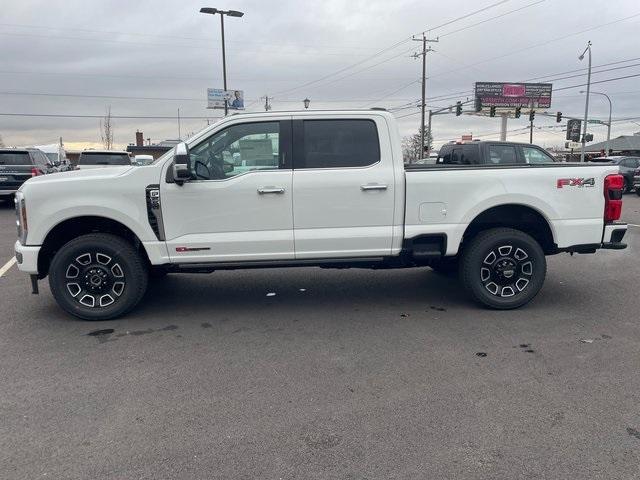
(503, 127)
(267, 105)
(179, 133)
(531, 131)
(423, 105)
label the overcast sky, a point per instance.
(339, 54)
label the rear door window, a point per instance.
(470, 155)
(535, 155)
(15, 158)
(502, 155)
(339, 144)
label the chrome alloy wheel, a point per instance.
(95, 280)
(506, 271)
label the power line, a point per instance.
(492, 18)
(152, 117)
(385, 50)
(467, 15)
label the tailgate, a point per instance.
(13, 176)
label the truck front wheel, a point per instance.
(97, 276)
(503, 268)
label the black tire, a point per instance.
(503, 268)
(638, 191)
(627, 186)
(446, 265)
(102, 267)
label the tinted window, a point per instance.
(470, 155)
(104, 159)
(15, 158)
(502, 155)
(235, 150)
(53, 157)
(535, 155)
(39, 157)
(339, 143)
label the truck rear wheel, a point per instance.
(503, 268)
(97, 277)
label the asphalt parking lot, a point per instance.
(343, 374)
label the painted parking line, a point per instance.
(5, 268)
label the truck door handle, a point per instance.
(373, 186)
(265, 190)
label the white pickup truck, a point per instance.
(313, 188)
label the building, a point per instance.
(622, 145)
(155, 150)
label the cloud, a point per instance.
(170, 51)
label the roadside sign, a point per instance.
(594, 121)
(467, 137)
(513, 95)
(573, 130)
(217, 96)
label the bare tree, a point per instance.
(106, 130)
(411, 150)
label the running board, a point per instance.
(208, 267)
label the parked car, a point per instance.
(141, 160)
(636, 181)
(17, 165)
(492, 153)
(326, 188)
(56, 155)
(102, 158)
(628, 166)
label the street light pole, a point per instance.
(222, 13)
(224, 67)
(609, 123)
(586, 102)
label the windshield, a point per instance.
(104, 159)
(53, 157)
(15, 158)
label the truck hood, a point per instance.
(79, 175)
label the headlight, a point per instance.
(21, 218)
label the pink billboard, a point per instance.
(512, 95)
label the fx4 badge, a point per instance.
(576, 182)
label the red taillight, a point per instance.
(34, 172)
(613, 185)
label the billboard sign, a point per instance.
(467, 137)
(217, 96)
(573, 130)
(512, 95)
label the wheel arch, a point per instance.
(73, 227)
(517, 216)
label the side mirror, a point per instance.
(181, 171)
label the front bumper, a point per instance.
(613, 235)
(27, 258)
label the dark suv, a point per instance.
(628, 166)
(492, 153)
(17, 165)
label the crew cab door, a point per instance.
(343, 187)
(237, 207)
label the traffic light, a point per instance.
(558, 117)
(492, 112)
(458, 109)
(517, 114)
(588, 137)
(478, 104)
(532, 115)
